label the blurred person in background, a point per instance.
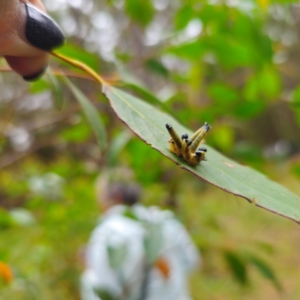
(135, 252)
(26, 35)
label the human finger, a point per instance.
(27, 46)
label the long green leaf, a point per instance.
(91, 114)
(266, 271)
(149, 124)
(237, 266)
(56, 89)
(117, 145)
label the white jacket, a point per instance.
(121, 245)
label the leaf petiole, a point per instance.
(79, 65)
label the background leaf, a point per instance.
(140, 11)
(117, 145)
(58, 94)
(265, 270)
(237, 267)
(91, 113)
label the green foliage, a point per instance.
(39, 86)
(264, 85)
(239, 265)
(183, 16)
(296, 169)
(138, 156)
(156, 66)
(222, 94)
(141, 12)
(78, 133)
(5, 220)
(296, 96)
(223, 138)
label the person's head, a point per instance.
(116, 186)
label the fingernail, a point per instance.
(34, 76)
(41, 31)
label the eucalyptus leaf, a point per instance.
(149, 124)
(56, 89)
(91, 114)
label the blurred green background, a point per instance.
(234, 64)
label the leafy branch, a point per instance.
(147, 122)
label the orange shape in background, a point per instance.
(6, 273)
